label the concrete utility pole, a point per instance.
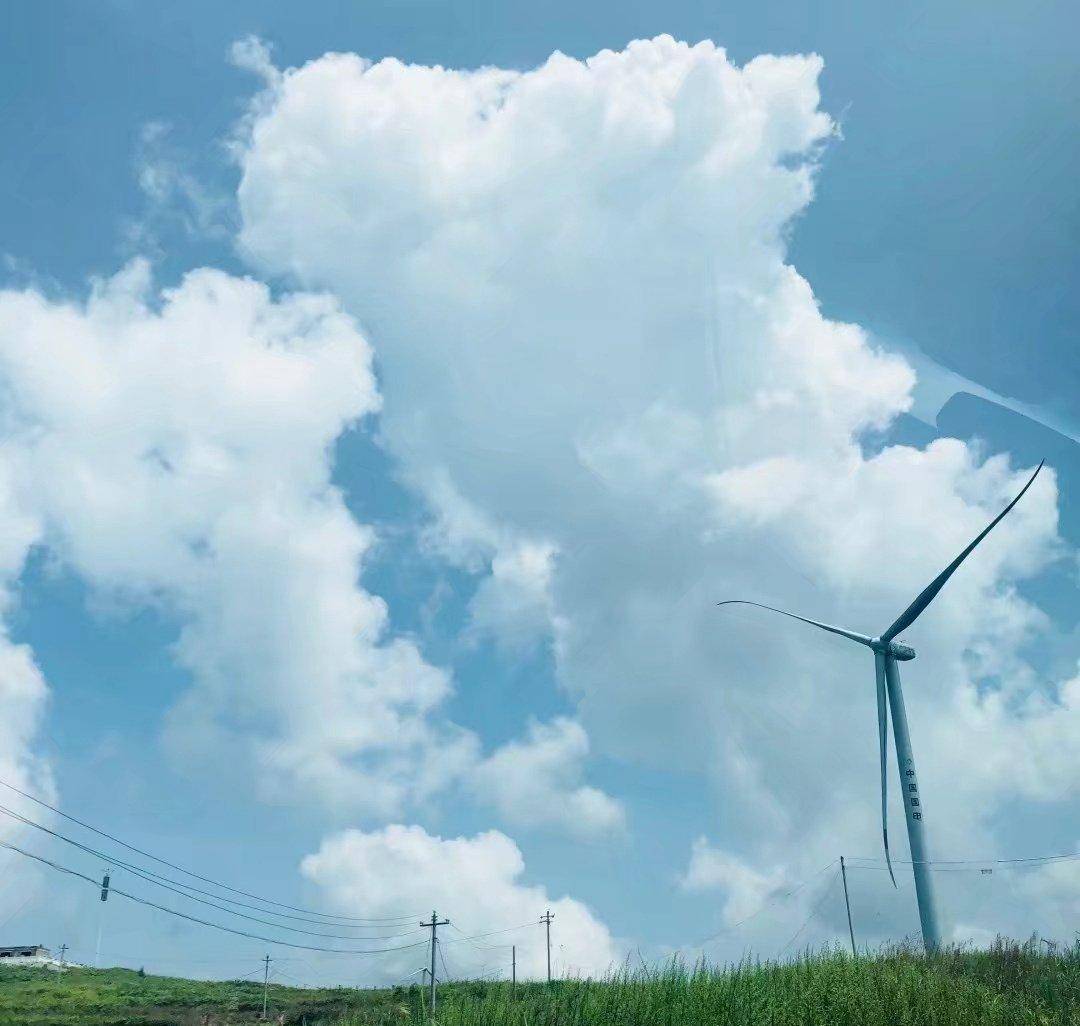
(847, 905)
(513, 968)
(434, 924)
(63, 952)
(546, 920)
(266, 982)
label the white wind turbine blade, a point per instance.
(862, 639)
(883, 747)
(926, 596)
(883, 727)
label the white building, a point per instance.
(30, 954)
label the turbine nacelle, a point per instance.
(899, 651)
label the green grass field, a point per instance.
(1009, 986)
(121, 997)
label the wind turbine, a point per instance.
(887, 653)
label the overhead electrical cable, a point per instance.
(970, 862)
(493, 933)
(984, 867)
(489, 975)
(199, 876)
(472, 943)
(442, 958)
(157, 960)
(164, 882)
(767, 904)
(246, 976)
(289, 976)
(813, 912)
(472, 938)
(204, 922)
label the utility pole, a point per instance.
(546, 920)
(434, 924)
(63, 952)
(513, 968)
(847, 905)
(266, 981)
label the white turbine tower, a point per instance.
(887, 653)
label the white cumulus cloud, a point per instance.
(536, 781)
(591, 338)
(173, 450)
(477, 883)
(746, 886)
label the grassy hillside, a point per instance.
(1010, 986)
(121, 997)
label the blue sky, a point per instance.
(943, 222)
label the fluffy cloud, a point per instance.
(476, 883)
(182, 460)
(1056, 886)
(591, 341)
(174, 197)
(536, 782)
(173, 450)
(23, 699)
(513, 604)
(23, 692)
(712, 868)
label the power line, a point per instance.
(768, 904)
(471, 938)
(179, 883)
(247, 976)
(203, 922)
(472, 943)
(485, 949)
(174, 960)
(289, 976)
(316, 974)
(490, 974)
(191, 873)
(937, 865)
(972, 862)
(442, 958)
(976, 867)
(165, 882)
(813, 912)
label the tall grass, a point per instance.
(1009, 985)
